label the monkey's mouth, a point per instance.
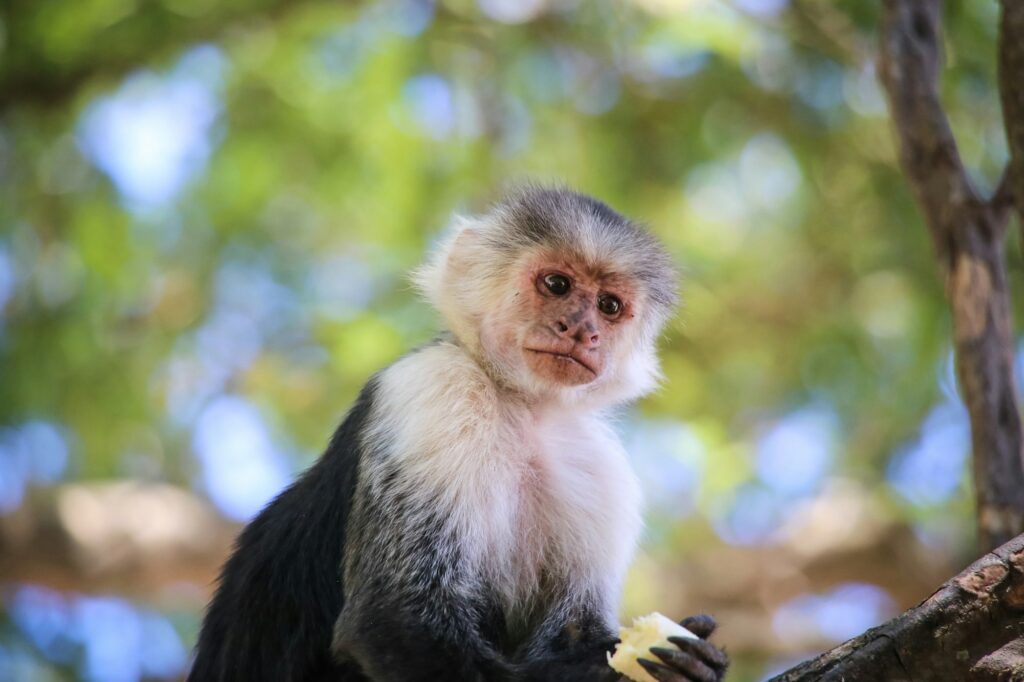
(566, 357)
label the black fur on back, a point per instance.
(280, 592)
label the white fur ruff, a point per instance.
(525, 488)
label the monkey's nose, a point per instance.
(588, 338)
(583, 332)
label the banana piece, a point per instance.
(636, 641)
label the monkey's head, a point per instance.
(556, 295)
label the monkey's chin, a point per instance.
(558, 369)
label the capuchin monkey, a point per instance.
(474, 514)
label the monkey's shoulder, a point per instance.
(435, 389)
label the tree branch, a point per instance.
(1011, 68)
(971, 628)
(910, 66)
(126, 536)
(968, 235)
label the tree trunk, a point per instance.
(968, 232)
(973, 626)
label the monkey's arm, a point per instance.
(572, 644)
(412, 611)
(392, 641)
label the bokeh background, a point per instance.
(208, 210)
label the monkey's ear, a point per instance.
(455, 279)
(448, 262)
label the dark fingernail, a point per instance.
(679, 641)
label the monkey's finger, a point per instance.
(702, 625)
(705, 651)
(688, 664)
(660, 672)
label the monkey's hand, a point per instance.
(693, 660)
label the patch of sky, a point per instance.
(35, 452)
(335, 56)
(542, 74)
(407, 17)
(713, 192)
(250, 307)
(595, 86)
(240, 468)
(796, 453)
(430, 102)
(762, 181)
(246, 289)
(229, 340)
(245, 283)
(769, 63)
(516, 126)
(947, 375)
(762, 8)
(598, 92)
(820, 85)
(46, 619)
(7, 278)
(156, 132)
(17, 662)
(669, 459)
(769, 173)
(844, 612)
(929, 470)
(105, 638)
(512, 11)
(862, 92)
(188, 383)
(340, 285)
(754, 516)
(1018, 367)
(665, 59)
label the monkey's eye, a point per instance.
(609, 305)
(557, 284)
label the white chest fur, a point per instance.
(525, 490)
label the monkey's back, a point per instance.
(280, 592)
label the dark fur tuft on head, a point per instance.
(571, 222)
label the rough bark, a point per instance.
(1011, 71)
(968, 232)
(972, 628)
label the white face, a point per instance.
(555, 328)
(565, 328)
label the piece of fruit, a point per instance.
(636, 642)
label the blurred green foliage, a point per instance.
(318, 148)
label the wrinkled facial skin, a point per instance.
(568, 320)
